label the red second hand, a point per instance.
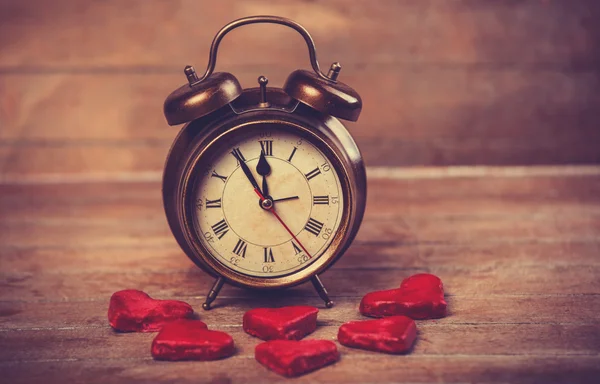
(282, 223)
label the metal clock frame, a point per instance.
(215, 105)
(201, 136)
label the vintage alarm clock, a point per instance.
(264, 187)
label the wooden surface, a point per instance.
(443, 82)
(453, 82)
(517, 249)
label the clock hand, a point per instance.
(263, 168)
(271, 208)
(286, 198)
(246, 170)
(290, 232)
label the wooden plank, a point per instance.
(365, 31)
(390, 229)
(524, 279)
(73, 158)
(15, 160)
(407, 104)
(487, 197)
(434, 339)
(463, 310)
(412, 256)
(351, 369)
(514, 185)
(517, 255)
(412, 117)
(413, 185)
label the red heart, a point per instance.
(291, 323)
(293, 358)
(394, 334)
(191, 340)
(420, 296)
(134, 311)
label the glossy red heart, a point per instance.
(134, 311)
(294, 358)
(290, 323)
(394, 334)
(191, 340)
(420, 296)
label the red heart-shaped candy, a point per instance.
(420, 296)
(293, 358)
(290, 323)
(191, 340)
(134, 311)
(394, 334)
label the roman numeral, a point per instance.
(213, 203)
(297, 249)
(240, 248)
(313, 226)
(220, 229)
(269, 255)
(321, 200)
(313, 173)
(215, 174)
(238, 155)
(292, 155)
(267, 147)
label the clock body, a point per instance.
(316, 182)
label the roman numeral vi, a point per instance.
(269, 255)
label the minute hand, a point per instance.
(246, 170)
(286, 198)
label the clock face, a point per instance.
(302, 184)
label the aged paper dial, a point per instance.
(289, 171)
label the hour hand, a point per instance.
(246, 170)
(263, 168)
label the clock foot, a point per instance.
(320, 288)
(214, 291)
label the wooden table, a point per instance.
(517, 249)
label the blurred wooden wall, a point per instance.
(443, 81)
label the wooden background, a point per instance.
(449, 85)
(444, 82)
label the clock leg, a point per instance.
(320, 288)
(214, 291)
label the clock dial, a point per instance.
(300, 180)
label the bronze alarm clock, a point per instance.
(264, 187)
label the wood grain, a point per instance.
(111, 258)
(529, 280)
(490, 339)
(465, 310)
(517, 251)
(108, 123)
(443, 83)
(83, 141)
(365, 368)
(414, 194)
(464, 31)
(47, 233)
(410, 105)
